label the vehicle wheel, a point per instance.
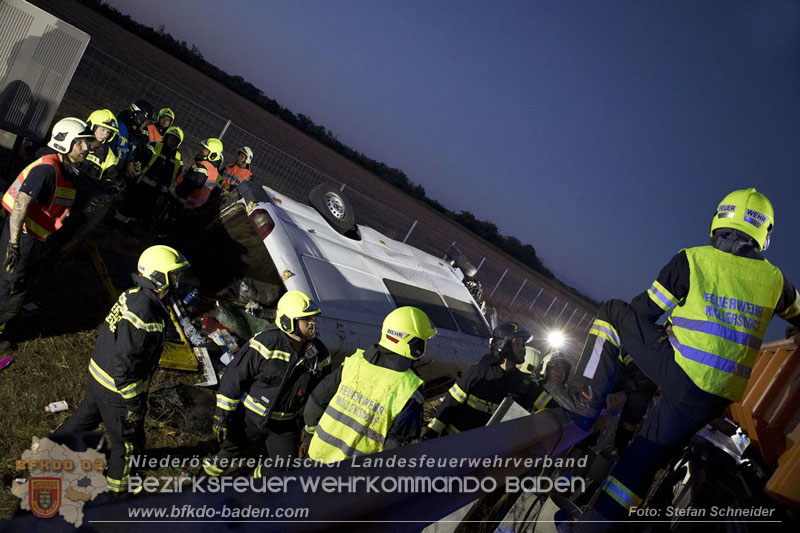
(334, 207)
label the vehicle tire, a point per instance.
(334, 207)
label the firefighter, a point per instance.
(164, 119)
(264, 389)
(721, 298)
(473, 399)
(193, 188)
(97, 181)
(132, 137)
(38, 201)
(554, 371)
(238, 171)
(124, 359)
(161, 162)
(373, 402)
(133, 124)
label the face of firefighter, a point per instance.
(517, 350)
(556, 373)
(78, 151)
(241, 159)
(307, 328)
(170, 141)
(165, 121)
(101, 133)
(203, 154)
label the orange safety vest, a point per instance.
(200, 196)
(43, 220)
(153, 133)
(233, 175)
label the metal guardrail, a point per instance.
(546, 433)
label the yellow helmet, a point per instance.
(157, 262)
(406, 331)
(214, 147)
(106, 119)
(292, 306)
(533, 359)
(166, 112)
(177, 132)
(749, 211)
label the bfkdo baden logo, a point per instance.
(44, 495)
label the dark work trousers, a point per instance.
(639, 391)
(681, 410)
(101, 405)
(14, 285)
(247, 439)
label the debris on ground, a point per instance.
(56, 407)
(183, 407)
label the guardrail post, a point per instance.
(518, 291)
(562, 310)
(414, 225)
(536, 298)
(570, 317)
(549, 306)
(498, 283)
(224, 129)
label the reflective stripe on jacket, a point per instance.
(200, 196)
(233, 175)
(43, 220)
(176, 161)
(359, 416)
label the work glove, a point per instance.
(302, 453)
(131, 424)
(220, 428)
(12, 256)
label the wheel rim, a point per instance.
(335, 205)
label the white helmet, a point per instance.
(248, 152)
(66, 131)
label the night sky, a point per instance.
(602, 133)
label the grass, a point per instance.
(54, 344)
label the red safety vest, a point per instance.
(43, 220)
(153, 133)
(233, 175)
(198, 197)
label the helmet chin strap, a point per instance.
(766, 243)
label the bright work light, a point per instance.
(556, 339)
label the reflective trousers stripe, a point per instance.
(621, 494)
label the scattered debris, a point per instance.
(183, 407)
(5, 361)
(57, 407)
